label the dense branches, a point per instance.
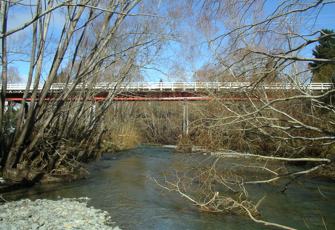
(96, 40)
(262, 42)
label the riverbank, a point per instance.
(53, 214)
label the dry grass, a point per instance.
(122, 136)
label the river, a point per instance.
(121, 184)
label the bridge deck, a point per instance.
(163, 91)
(171, 86)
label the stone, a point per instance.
(53, 214)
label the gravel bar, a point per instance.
(53, 214)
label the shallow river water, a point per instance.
(121, 184)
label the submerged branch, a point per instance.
(301, 159)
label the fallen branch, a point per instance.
(302, 159)
(229, 202)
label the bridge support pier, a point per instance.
(185, 118)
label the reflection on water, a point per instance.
(121, 184)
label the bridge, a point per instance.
(162, 91)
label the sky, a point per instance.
(179, 58)
(20, 42)
(312, 21)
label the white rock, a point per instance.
(50, 214)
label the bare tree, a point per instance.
(276, 41)
(13, 75)
(57, 128)
(262, 42)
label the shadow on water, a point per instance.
(121, 184)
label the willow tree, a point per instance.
(261, 41)
(75, 43)
(269, 42)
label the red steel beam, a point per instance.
(19, 99)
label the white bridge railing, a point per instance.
(180, 86)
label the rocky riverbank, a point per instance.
(53, 214)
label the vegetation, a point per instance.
(324, 72)
(261, 46)
(53, 131)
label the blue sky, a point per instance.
(179, 58)
(20, 42)
(313, 21)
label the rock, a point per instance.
(34, 226)
(53, 214)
